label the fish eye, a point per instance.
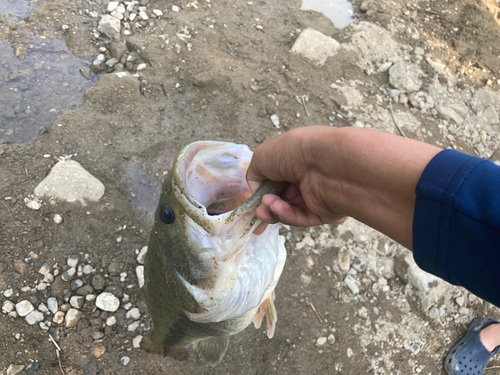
(167, 215)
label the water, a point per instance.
(17, 8)
(340, 12)
(37, 86)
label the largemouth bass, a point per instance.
(207, 276)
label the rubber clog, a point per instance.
(469, 356)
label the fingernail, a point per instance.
(277, 217)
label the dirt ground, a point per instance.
(218, 70)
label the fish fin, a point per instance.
(259, 315)
(181, 354)
(152, 347)
(271, 316)
(212, 350)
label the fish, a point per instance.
(207, 276)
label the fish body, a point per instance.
(207, 276)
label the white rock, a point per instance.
(52, 305)
(44, 326)
(68, 181)
(111, 321)
(41, 286)
(48, 278)
(133, 314)
(372, 42)
(112, 5)
(363, 313)
(72, 260)
(132, 16)
(32, 203)
(315, 46)
(42, 307)
(34, 317)
(132, 327)
(143, 15)
(90, 297)
(72, 318)
(77, 302)
(107, 302)
(7, 307)
(87, 269)
(157, 12)
(141, 66)
(275, 120)
(44, 269)
(385, 67)
(139, 270)
(58, 317)
(57, 219)
(110, 26)
(490, 115)
(352, 284)
(419, 51)
(101, 57)
(136, 342)
(8, 293)
(124, 360)
(449, 114)
(331, 338)
(175, 8)
(321, 341)
(23, 308)
(350, 353)
(405, 77)
(142, 255)
(120, 9)
(429, 288)
(15, 370)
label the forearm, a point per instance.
(366, 174)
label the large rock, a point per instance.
(429, 288)
(110, 26)
(315, 46)
(373, 43)
(68, 181)
(405, 77)
(448, 113)
(490, 115)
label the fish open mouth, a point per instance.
(212, 174)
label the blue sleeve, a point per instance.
(456, 225)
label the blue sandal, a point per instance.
(469, 356)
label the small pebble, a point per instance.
(124, 360)
(321, 341)
(136, 342)
(58, 317)
(57, 219)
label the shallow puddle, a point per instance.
(37, 86)
(340, 12)
(17, 8)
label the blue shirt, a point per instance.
(456, 225)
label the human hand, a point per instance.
(286, 158)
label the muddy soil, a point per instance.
(221, 70)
